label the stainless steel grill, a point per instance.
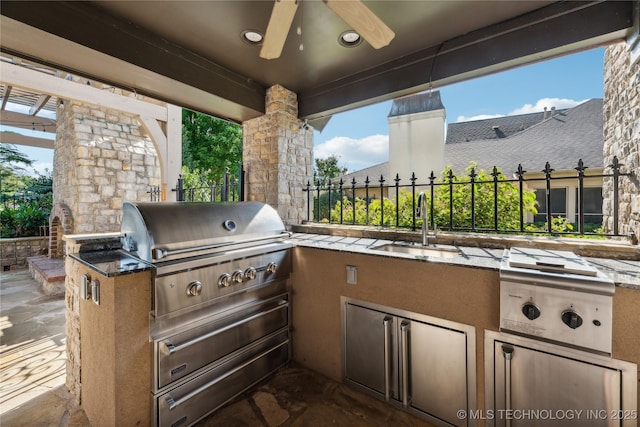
(220, 306)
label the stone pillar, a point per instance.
(100, 160)
(622, 136)
(278, 156)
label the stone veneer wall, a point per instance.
(622, 136)
(14, 252)
(278, 156)
(100, 160)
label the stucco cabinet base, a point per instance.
(115, 350)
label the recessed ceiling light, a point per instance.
(252, 37)
(350, 39)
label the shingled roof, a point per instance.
(528, 139)
(561, 140)
(495, 128)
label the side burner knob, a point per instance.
(238, 276)
(194, 288)
(224, 281)
(272, 267)
(531, 311)
(571, 319)
(250, 273)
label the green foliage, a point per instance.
(26, 200)
(327, 169)
(460, 192)
(26, 219)
(459, 188)
(199, 185)
(210, 145)
(12, 169)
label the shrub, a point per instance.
(26, 219)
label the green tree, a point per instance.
(12, 169)
(210, 145)
(326, 169)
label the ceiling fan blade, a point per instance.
(278, 28)
(366, 23)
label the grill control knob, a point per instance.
(272, 267)
(194, 288)
(250, 273)
(238, 276)
(531, 311)
(224, 281)
(571, 319)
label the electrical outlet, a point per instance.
(352, 274)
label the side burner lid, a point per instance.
(551, 261)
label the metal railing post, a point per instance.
(547, 175)
(413, 200)
(494, 174)
(520, 173)
(353, 199)
(397, 181)
(581, 168)
(472, 178)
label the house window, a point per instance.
(592, 205)
(558, 203)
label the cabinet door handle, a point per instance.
(387, 322)
(507, 352)
(404, 349)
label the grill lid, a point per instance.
(174, 230)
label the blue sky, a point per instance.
(360, 137)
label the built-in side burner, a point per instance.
(556, 296)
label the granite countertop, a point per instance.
(115, 262)
(111, 263)
(623, 273)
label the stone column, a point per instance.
(622, 136)
(278, 156)
(100, 160)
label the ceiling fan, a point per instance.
(353, 12)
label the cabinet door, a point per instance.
(532, 385)
(438, 371)
(367, 357)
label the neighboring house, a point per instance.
(560, 137)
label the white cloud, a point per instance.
(478, 117)
(558, 103)
(353, 153)
(42, 167)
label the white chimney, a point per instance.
(416, 137)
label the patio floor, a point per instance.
(32, 375)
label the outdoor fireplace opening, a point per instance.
(60, 223)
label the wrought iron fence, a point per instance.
(228, 189)
(352, 200)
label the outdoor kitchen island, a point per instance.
(463, 290)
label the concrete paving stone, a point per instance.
(269, 408)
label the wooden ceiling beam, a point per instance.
(46, 84)
(25, 121)
(20, 139)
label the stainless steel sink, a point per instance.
(427, 251)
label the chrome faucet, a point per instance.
(421, 212)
